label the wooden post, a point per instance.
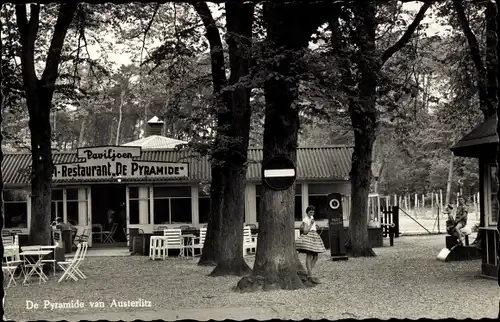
(477, 205)
(416, 201)
(432, 202)
(396, 201)
(423, 201)
(441, 198)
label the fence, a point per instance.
(427, 204)
(390, 220)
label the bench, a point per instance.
(452, 241)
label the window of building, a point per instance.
(76, 205)
(16, 208)
(320, 204)
(298, 202)
(172, 205)
(180, 210)
(57, 205)
(138, 204)
(321, 188)
(492, 193)
(204, 209)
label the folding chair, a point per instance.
(53, 260)
(83, 255)
(84, 237)
(27, 266)
(9, 268)
(67, 266)
(109, 234)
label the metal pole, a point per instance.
(439, 229)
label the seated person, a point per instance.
(457, 226)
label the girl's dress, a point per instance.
(311, 243)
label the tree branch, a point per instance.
(66, 12)
(491, 58)
(469, 34)
(216, 49)
(407, 35)
(475, 52)
(28, 32)
(148, 27)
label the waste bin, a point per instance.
(58, 254)
(66, 238)
(132, 232)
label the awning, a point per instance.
(481, 141)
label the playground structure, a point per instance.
(423, 214)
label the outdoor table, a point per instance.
(29, 256)
(187, 240)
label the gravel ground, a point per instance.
(404, 281)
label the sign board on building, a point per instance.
(279, 173)
(112, 162)
(336, 226)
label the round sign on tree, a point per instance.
(278, 173)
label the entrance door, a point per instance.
(105, 199)
(77, 210)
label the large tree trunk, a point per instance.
(81, 135)
(39, 95)
(364, 118)
(239, 19)
(276, 261)
(120, 117)
(210, 252)
(1, 192)
(41, 173)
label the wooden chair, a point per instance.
(201, 241)
(8, 240)
(108, 235)
(249, 241)
(174, 240)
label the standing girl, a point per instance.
(310, 242)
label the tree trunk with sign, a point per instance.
(289, 27)
(39, 94)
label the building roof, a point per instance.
(478, 141)
(155, 142)
(155, 119)
(321, 164)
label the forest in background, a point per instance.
(427, 96)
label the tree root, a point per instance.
(208, 262)
(269, 283)
(240, 269)
(362, 252)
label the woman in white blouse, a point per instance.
(310, 242)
